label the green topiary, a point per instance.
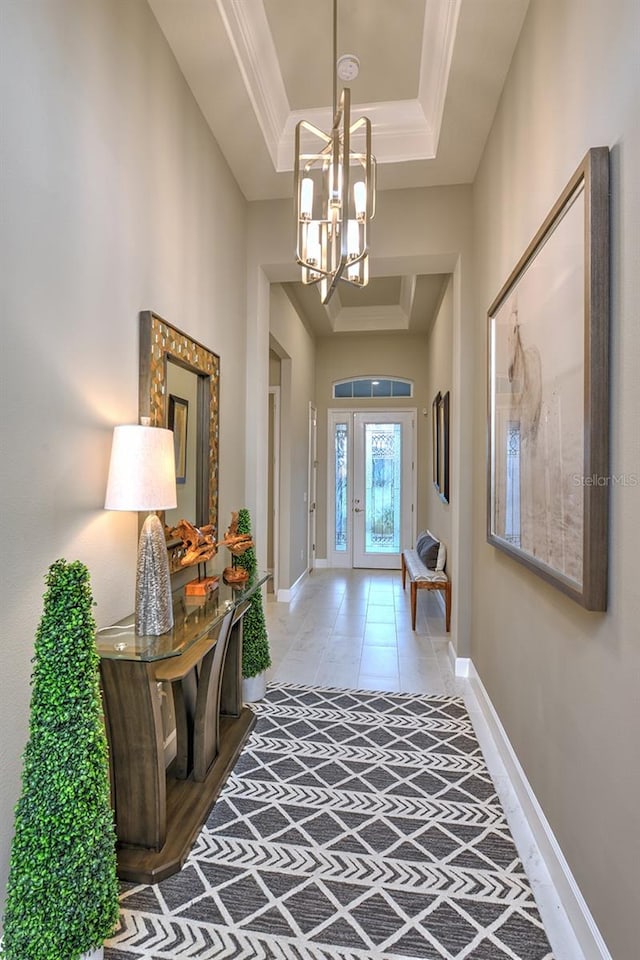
(62, 893)
(255, 640)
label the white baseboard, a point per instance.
(285, 596)
(321, 564)
(584, 928)
(461, 666)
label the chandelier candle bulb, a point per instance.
(353, 238)
(313, 242)
(360, 199)
(353, 249)
(306, 198)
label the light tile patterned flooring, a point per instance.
(352, 628)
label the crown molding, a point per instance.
(440, 25)
(250, 38)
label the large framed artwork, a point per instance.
(548, 416)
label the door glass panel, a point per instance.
(383, 462)
(341, 486)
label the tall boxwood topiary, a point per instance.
(62, 893)
(255, 640)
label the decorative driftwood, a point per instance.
(235, 574)
(236, 543)
(199, 545)
(198, 542)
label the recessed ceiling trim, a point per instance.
(440, 25)
(403, 129)
(408, 293)
(400, 131)
(225, 51)
(358, 319)
(252, 43)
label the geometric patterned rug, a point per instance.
(356, 825)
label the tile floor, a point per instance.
(352, 628)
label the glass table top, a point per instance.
(194, 618)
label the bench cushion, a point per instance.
(417, 570)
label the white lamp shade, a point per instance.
(142, 471)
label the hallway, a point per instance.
(352, 628)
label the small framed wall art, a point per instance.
(178, 420)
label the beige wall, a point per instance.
(115, 199)
(392, 355)
(565, 682)
(292, 343)
(439, 377)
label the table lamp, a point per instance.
(142, 476)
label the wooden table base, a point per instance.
(188, 805)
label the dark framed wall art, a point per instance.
(435, 439)
(443, 429)
(440, 443)
(548, 420)
(178, 420)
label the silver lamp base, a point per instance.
(154, 607)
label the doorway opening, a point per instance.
(371, 487)
(273, 494)
(312, 486)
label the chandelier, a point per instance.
(334, 189)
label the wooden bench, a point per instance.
(421, 578)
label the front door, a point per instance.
(372, 484)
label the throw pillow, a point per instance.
(427, 549)
(442, 554)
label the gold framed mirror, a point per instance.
(163, 346)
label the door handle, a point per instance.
(358, 510)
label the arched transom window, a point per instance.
(363, 388)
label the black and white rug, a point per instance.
(356, 825)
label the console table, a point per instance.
(158, 809)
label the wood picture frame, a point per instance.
(162, 343)
(435, 439)
(548, 391)
(443, 431)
